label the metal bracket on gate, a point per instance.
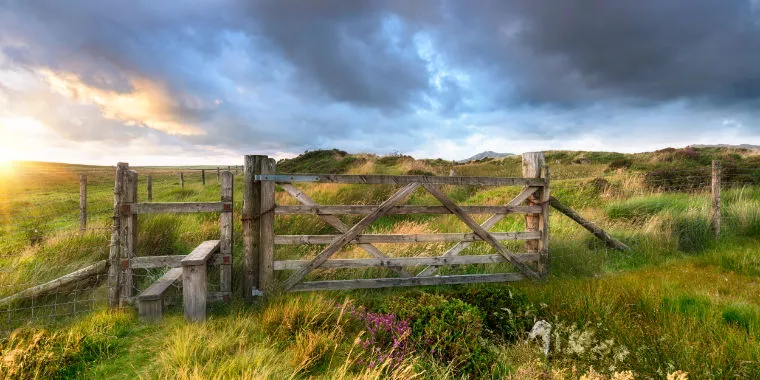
(286, 178)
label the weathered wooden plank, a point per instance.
(543, 245)
(588, 225)
(174, 261)
(413, 281)
(176, 207)
(194, 291)
(488, 224)
(157, 289)
(349, 235)
(129, 233)
(339, 225)
(250, 224)
(532, 162)
(405, 261)
(480, 231)
(400, 210)
(96, 269)
(201, 253)
(405, 180)
(114, 253)
(266, 242)
(225, 240)
(404, 238)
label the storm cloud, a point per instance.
(430, 77)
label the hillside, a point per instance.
(486, 154)
(679, 300)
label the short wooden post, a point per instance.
(543, 245)
(129, 233)
(715, 214)
(150, 188)
(194, 291)
(203, 177)
(250, 225)
(114, 255)
(225, 245)
(266, 239)
(532, 163)
(82, 202)
(181, 180)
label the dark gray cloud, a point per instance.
(372, 75)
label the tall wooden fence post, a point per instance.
(715, 215)
(82, 202)
(128, 233)
(266, 239)
(532, 163)
(225, 245)
(150, 188)
(250, 224)
(544, 197)
(181, 180)
(203, 177)
(114, 269)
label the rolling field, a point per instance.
(680, 300)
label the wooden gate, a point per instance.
(259, 239)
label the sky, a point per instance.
(206, 81)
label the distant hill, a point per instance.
(486, 154)
(740, 146)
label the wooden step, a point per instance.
(151, 300)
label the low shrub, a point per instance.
(419, 172)
(619, 163)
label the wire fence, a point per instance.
(41, 240)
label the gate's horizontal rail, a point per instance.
(411, 281)
(170, 261)
(405, 261)
(400, 179)
(404, 238)
(175, 207)
(397, 210)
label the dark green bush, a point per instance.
(449, 330)
(507, 313)
(419, 172)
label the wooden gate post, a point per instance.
(543, 245)
(150, 188)
(715, 214)
(82, 202)
(532, 163)
(225, 245)
(128, 233)
(114, 269)
(266, 239)
(251, 225)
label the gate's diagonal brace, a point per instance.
(487, 225)
(351, 234)
(482, 233)
(340, 226)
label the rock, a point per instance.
(542, 329)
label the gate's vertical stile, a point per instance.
(250, 222)
(114, 269)
(266, 244)
(225, 248)
(543, 260)
(532, 162)
(130, 233)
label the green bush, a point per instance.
(419, 172)
(507, 313)
(449, 330)
(319, 161)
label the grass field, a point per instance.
(678, 301)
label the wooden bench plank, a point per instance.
(172, 261)
(201, 253)
(157, 289)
